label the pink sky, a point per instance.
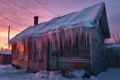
(19, 13)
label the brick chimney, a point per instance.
(36, 20)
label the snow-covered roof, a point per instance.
(87, 18)
(5, 52)
(113, 46)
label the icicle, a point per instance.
(77, 33)
(80, 35)
(63, 40)
(39, 46)
(70, 39)
(26, 47)
(45, 40)
(52, 39)
(67, 36)
(58, 39)
(86, 35)
(73, 34)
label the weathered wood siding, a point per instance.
(38, 57)
(1, 59)
(76, 57)
(36, 65)
(98, 62)
(30, 57)
(5, 58)
(20, 58)
(73, 63)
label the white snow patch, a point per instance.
(42, 75)
(110, 74)
(7, 72)
(78, 73)
(5, 52)
(93, 78)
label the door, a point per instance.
(52, 59)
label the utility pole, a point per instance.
(8, 37)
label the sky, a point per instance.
(19, 13)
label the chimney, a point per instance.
(36, 20)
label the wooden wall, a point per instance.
(27, 60)
(71, 57)
(20, 57)
(77, 56)
(5, 58)
(98, 62)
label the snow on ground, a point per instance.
(7, 72)
(110, 74)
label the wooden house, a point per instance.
(5, 57)
(72, 41)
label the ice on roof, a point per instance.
(87, 17)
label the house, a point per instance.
(5, 57)
(72, 41)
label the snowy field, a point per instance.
(7, 72)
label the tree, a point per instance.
(116, 38)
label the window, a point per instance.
(35, 51)
(20, 50)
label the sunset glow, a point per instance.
(19, 14)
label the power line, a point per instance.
(25, 8)
(21, 7)
(27, 11)
(3, 3)
(11, 27)
(12, 20)
(46, 8)
(20, 18)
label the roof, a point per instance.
(87, 18)
(5, 52)
(113, 46)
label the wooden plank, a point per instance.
(21, 63)
(73, 63)
(73, 59)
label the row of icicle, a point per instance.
(60, 38)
